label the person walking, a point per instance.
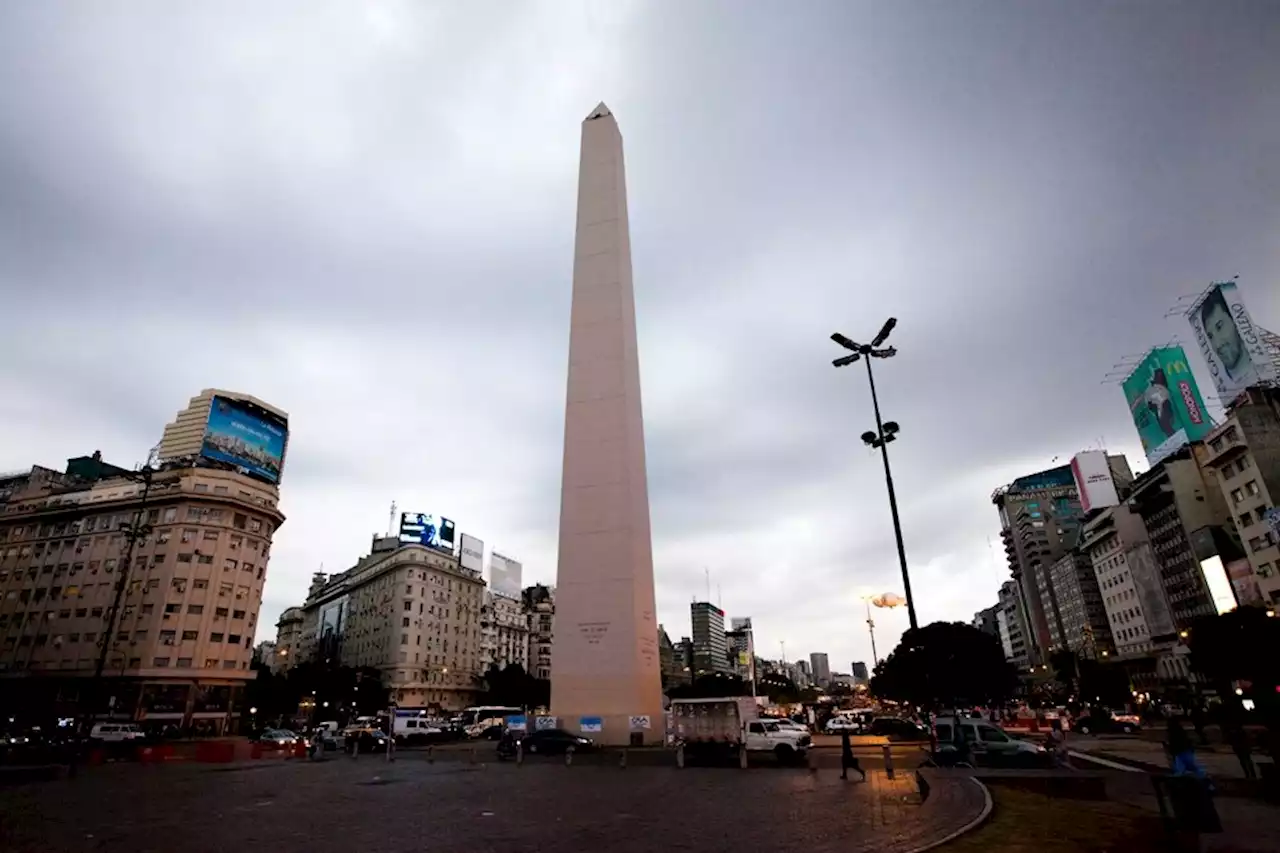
(1238, 738)
(1182, 752)
(1058, 742)
(847, 758)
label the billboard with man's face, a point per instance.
(1230, 344)
(1165, 403)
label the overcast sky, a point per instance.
(363, 213)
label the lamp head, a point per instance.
(869, 437)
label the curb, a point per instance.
(987, 806)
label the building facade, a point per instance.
(504, 632)
(1244, 452)
(540, 610)
(710, 647)
(1083, 627)
(1012, 621)
(189, 589)
(288, 639)
(860, 673)
(409, 611)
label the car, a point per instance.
(1101, 722)
(115, 732)
(543, 742)
(368, 739)
(897, 728)
(836, 725)
(988, 743)
(277, 737)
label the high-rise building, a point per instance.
(742, 648)
(985, 621)
(675, 670)
(1039, 515)
(230, 427)
(288, 639)
(821, 667)
(1245, 455)
(1082, 623)
(607, 644)
(1013, 626)
(1117, 544)
(410, 611)
(710, 646)
(189, 590)
(860, 672)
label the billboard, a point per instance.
(333, 623)
(1054, 478)
(419, 528)
(1165, 403)
(1094, 481)
(472, 553)
(1230, 344)
(504, 575)
(246, 436)
(740, 623)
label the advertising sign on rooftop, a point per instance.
(1231, 345)
(1094, 481)
(472, 553)
(1054, 478)
(1165, 403)
(244, 435)
(504, 575)
(419, 528)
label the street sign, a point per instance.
(640, 724)
(517, 723)
(591, 724)
(544, 723)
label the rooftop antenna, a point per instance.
(391, 520)
(707, 572)
(719, 597)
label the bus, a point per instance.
(479, 713)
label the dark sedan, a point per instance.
(543, 742)
(896, 728)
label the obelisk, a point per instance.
(604, 659)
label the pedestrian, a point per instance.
(1058, 742)
(1182, 752)
(847, 758)
(1239, 740)
(317, 744)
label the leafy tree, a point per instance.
(1238, 646)
(512, 685)
(712, 686)
(944, 665)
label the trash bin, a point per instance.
(1186, 804)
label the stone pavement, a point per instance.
(343, 805)
(1219, 762)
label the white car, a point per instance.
(835, 725)
(115, 732)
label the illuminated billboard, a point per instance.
(246, 436)
(1165, 403)
(504, 575)
(420, 528)
(333, 624)
(1232, 347)
(1094, 481)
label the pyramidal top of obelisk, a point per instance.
(604, 664)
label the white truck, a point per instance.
(733, 724)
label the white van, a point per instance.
(115, 732)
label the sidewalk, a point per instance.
(1219, 763)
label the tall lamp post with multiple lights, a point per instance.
(885, 433)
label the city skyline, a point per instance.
(302, 219)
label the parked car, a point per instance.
(897, 728)
(836, 725)
(543, 742)
(1097, 722)
(115, 733)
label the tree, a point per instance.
(946, 664)
(1237, 646)
(712, 686)
(512, 686)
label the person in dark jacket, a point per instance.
(847, 758)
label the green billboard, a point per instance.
(1165, 403)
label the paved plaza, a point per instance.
(344, 805)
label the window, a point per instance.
(220, 613)
(189, 534)
(210, 663)
(163, 537)
(404, 639)
(234, 639)
(1245, 519)
(255, 526)
(237, 614)
(229, 565)
(195, 609)
(990, 734)
(235, 542)
(206, 559)
(185, 558)
(173, 608)
(178, 584)
(220, 490)
(166, 638)
(160, 662)
(224, 590)
(188, 635)
(239, 521)
(228, 664)
(405, 622)
(1252, 487)
(408, 605)
(202, 487)
(1237, 496)
(215, 638)
(171, 515)
(184, 663)
(210, 536)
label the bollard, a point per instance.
(680, 755)
(472, 757)
(519, 754)
(622, 760)
(355, 748)
(568, 757)
(812, 757)
(431, 755)
(888, 761)
(742, 756)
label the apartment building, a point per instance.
(288, 639)
(1245, 453)
(1082, 624)
(504, 632)
(1012, 621)
(539, 606)
(1118, 547)
(189, 589)
(409, 611)
(710, 648)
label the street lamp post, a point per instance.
(885, 433)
